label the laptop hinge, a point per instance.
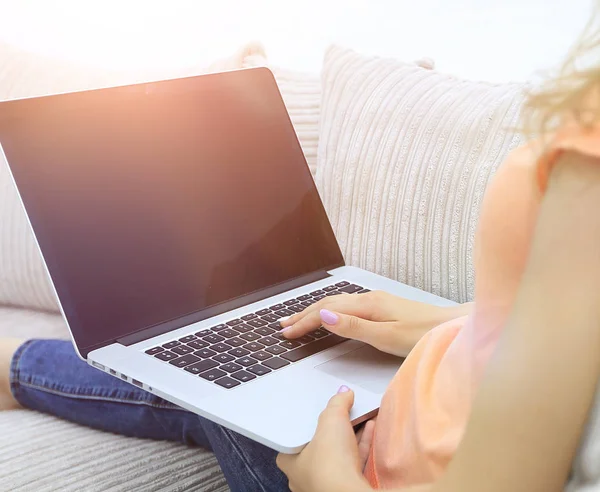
(224, 307)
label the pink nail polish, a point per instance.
(328, 317)
(343, 389)
(285, 329)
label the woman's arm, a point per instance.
(534, 400)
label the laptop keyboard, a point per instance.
(251, 346)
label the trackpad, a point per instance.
(366, 367)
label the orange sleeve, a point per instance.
(577, 139)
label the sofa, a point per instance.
(401, 155)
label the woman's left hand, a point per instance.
(333, 461)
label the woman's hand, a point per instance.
(333, 461)
(387, 322)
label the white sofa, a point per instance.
(401, 155)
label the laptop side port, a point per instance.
(137, 383)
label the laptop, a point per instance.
(179, 222)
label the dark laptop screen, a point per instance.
(155, 201)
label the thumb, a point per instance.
(341, 403)
(381, 335)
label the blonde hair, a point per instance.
(573, 95)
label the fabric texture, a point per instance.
(425, 409)
(47, 375)
(23, 280)
(43, 453)
(405, 155)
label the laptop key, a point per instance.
(290, 344)
(363, 291)
(201, 366)
(276, 326)
(234, 322)
(291, 302)
(166, 355)
(307, 303)
(297, 308)
(231, 367)
(228, 333)
(351, 289)
(235, 342)
(220, 327)
(172, 344)
(205, 353)
(186, 360)
(253, 346)
(270, 318)
(238, 352)
(279, 336)
(197, 344)
(318, 298)
(268, 341)
(213, 338)
(223, 358)
(257, 323)
(275, 350)
(213, 374)
(333, 293)
(182, 349)
(319, 333)
(220, 347)
(315, 293)
(227, 382)
(277, 307)
(264, 331)
(263, 312)
(248, 317)
(312, 348)
(304, 339)
(342, 284)
(187, 339)
(155, 350)
(284, 312)
(243, 376)
(259, 370)
(244, 328)
(203, 333)
(329, 288)
(305, 297)
(261, 355)
(249, 337)
(275, 363)
(246, 361)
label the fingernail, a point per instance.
(285, 329)
(343, 389)
(328, 317)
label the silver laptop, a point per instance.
(179, 223)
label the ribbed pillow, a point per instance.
(405, 155)
(23, 281)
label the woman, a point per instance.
(492, 397)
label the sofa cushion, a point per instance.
(405, 155)
(23, 281)
(43, 453)
(26, 323)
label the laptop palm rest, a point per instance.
(366, 367)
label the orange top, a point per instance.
(425, 409)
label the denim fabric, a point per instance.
(47, 375)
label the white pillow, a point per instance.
(405, 155)
(23, 281)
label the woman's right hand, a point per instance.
(387, 322)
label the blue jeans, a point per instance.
(47, 375)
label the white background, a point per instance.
(494, 40)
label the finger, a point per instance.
(365, 441)
(285, 462)
(386, 336)
(310, 319)
(338, 408)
